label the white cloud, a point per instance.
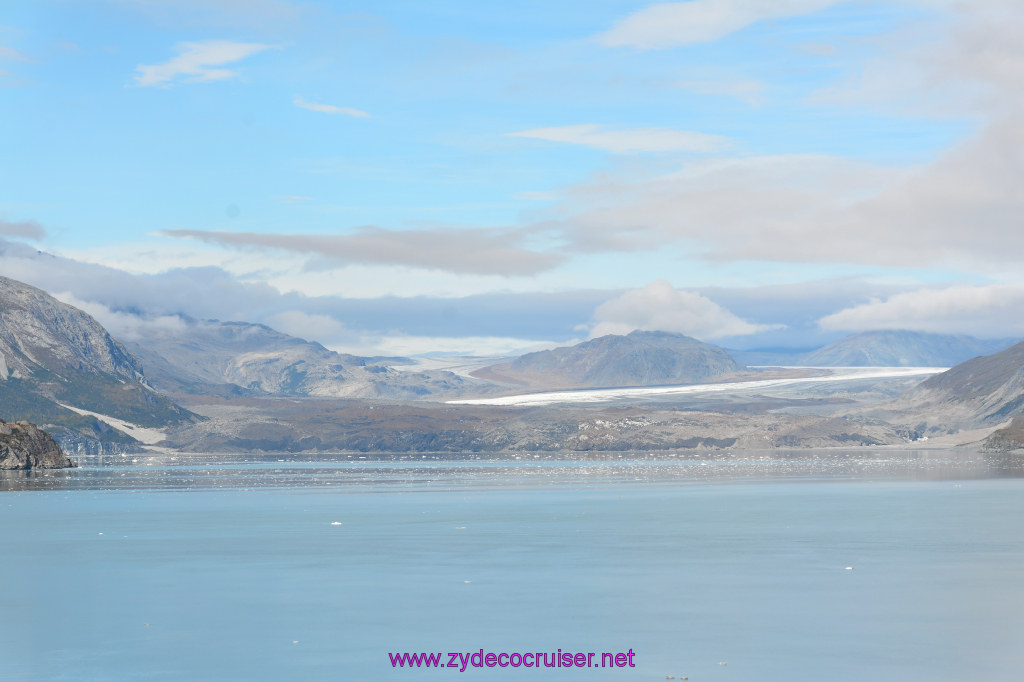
(789, 208)
(310, 326)
(122, 326)
(636, 140)
(670, 24)
(198, 62)
(995, 310)
(661, 307)
(329, 108)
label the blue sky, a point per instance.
(494, 177)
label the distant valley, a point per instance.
(212, 386)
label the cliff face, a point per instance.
(25, 446)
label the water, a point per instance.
(806, 566)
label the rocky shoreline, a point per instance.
(26, 446)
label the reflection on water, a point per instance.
(410, 472)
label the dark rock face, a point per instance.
(25, 446)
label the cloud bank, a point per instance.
(492, 252)
(986, 311)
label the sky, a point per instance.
(405, 177)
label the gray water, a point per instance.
(801, 566)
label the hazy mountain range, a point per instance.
(640, 358)
(208, 357)
(237, 386)
(884, 348)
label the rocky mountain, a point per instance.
(54, 357)
(39, 332)
(25, 446)
(640, 358)
(209, 357)
(981, 392)
(896, 348)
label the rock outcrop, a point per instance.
(26, 446)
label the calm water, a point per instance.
(906, 566)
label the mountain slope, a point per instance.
(209, 357)
(640, 358)
(981, 392)
(897, 348)
(52, 354)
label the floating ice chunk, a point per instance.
(335, 523)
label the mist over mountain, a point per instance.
(641, 358)
(210, 357)
(52, 355)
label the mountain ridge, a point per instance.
(640, 358)
(212, 357)
(54, 353)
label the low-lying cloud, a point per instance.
(992, 311)
(661, 307)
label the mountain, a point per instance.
(981, 392)
(56, 359)
(209, 357)
(640, 358)
(895, 348)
